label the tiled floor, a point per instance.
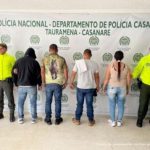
(68, 136)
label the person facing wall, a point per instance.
(54, 77)
(117, 80)
(87, 85)
(27, 75)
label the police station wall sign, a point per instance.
(103, 33)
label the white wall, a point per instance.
(76, 5)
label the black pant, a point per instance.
(7, 87)
(144, 101)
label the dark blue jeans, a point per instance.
(56, 90)
(88, 95)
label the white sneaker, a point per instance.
(33, 121)
(119, 123)
(20, 120)
(112, 123)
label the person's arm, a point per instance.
(97, 77)
(43, 72)
(38, 75)
(14, 73)
(73, 75)
(129, 77)
(72, 78)
(138, 69)
(66, 76)
(65, 67)
(107, 77)
(13, 61)
(97, 81)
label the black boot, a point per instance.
(48, 121)
(1, 116)
(12, 117)
(58, 121)
(139, 123)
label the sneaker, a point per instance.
(58, 121)
(20, 120)
(48, 121)
(91, 122)
(119, 123)
(33, 121)
(75, 121)
(112, 123)
(1, 116)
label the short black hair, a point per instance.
(3, 45)
(54, 47)
(119, 55)
(88, 51)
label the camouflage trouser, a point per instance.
(144, 101)
(8, 89)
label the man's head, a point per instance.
(87, 54)
(3, 48)
(53, 49)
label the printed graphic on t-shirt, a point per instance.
(53, 69)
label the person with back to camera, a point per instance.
(118, 79)
(54, 72)
(87, 85)
(27, 76)
(142, 71)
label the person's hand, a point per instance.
(127, 92)
(72, 85)
(97, 89)
(103, 91)
(15, 87)
(15, 71)
(43, 84)
(39, 88)
(15, 84)
(64, 85)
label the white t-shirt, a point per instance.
(86, 78)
